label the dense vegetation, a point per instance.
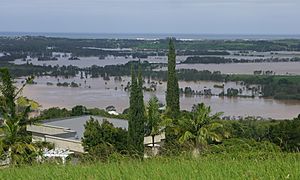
(78, 110)
(279, 87)
(101, 140)
(15, 142)
(80, 47)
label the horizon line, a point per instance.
(159, 33)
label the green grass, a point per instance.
(244, 166)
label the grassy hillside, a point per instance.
(221, 166)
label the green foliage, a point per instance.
(201, 129)
(79, 110)
(172, 96)
(23, 102)
(249, 128)
(231, 92)
(223, 60)
(100, 140)
(22, 153)
(136, 116)
(240, 145)
(286, 134)
(101, 152)
(16, 141)
(53, 113)
(154, 123)
(91, 136)
(279, 87)
(36, 46)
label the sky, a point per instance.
(151, 16)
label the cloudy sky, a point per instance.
(152, 16)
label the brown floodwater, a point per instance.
(230, 68)
(280, 68)
(104, 93)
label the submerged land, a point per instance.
(239, 73)
(148, 109)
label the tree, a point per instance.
(172, 96)
(55, 112)
(100, 140)
(286, 134)
(153, 121)
(91, 135)
(136, 115)
(172, 99)
(16, 141)
(201, 128)
(79, 110)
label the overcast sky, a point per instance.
(152, 16)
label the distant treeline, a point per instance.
(37, 46)
(222, 60)
(201, 52)
(11, 57)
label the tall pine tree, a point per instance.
(172, 97)
(136, 115)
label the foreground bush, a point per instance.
(236, 145)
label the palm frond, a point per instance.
(186, 136)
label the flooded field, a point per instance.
(280, 68)
(100, 93)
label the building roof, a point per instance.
(77, 123)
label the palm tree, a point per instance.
(200, 129)
(153, 124)
(16, 141)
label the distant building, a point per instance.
(112, 113)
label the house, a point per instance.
(67, 133)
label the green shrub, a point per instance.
(235, 145)
(286, 134)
